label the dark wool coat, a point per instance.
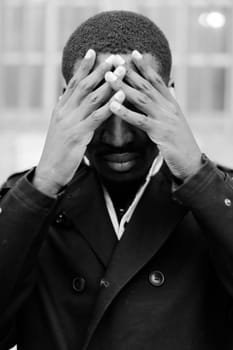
(66, 283)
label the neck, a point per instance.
(122, 194)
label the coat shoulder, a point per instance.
(10, 182)
(225, 169)
(13, 178)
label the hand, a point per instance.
(74, 120)
(161, 117)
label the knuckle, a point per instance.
(143, 100)
(146, 87)
(85, 66)
(142, 68)
(167, 134)
(96, 117)
(56, 110)
(129, 72)
(76, 137)
(58, 115)
(93, 98)
(72, 138)
(142, 121)
(173, 109)
(84, 86)
(124, 114)
(158, 80)
(129, 69)
(171, 121)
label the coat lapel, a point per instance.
(154, 219)
(84, 206)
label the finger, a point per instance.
(98, 116)
(115, 78)
(151, 75)
(95, 99)
(138, 82)
(90, 82)
(87, 108)
(86, 96)
(138, 99)
(139, 120)
(95, 119)
(119, 96)
(150, 103)
(120, 72)
(118, 60)
(159, 130)
(83, 70)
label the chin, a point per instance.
(136, 173)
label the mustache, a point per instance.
(129, 148)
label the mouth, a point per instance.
(121, 162)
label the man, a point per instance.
(132, 246)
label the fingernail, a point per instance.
(115, 106)
(90, 53)
(118, 60)
(136, 54)
(120, 71)
(119, 96)
(110, 59)
(110, 77)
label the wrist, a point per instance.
(45, 184)
(190, 171)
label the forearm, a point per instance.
(24, 219)
(209, 195)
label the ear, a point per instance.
(171, 87)
(63, 91)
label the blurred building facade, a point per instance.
(32, 35)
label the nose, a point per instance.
(116, 132)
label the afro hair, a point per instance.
(117, 32)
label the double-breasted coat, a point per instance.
(66, 283)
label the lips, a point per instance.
(121, 157)
(121, 161)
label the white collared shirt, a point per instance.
(119, 227)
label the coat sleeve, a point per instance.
(209, 195)
(25, 214)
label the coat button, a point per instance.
(227, 202)
(79, 284)
(104, 283)
(156, 278)
(177, 200)
(62, 220)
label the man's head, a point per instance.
(115, 142)
(117, 32)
